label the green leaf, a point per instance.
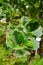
(9, 42)
(0, 32)
(28, 43)
(24, 20)
(21, 53)
(38, 32)
(17, 47)
(35, 43)
(19, 37)
(32, 25)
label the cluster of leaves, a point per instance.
(21, 36)
(22, 61)
(36, 60)
(21, 30)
